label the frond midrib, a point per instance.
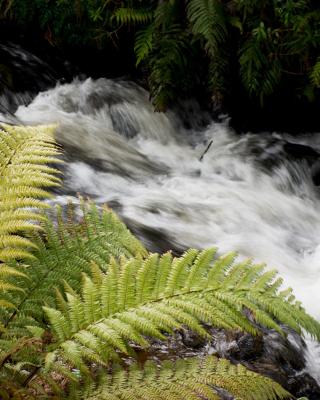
(181, 294)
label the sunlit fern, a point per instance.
(65, 249)
(130, 302)
(24, 153)
(140, 298)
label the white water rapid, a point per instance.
(244, 195)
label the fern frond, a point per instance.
(260, 72)
(168, 60)
(208, 21)
(315, 74)
(63, 251)
(143, 44)
(138, 306)
(126, 16)
(209, 25)
(190, 379)
(24, 151)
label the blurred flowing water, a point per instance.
(245, 194)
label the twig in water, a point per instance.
(206, 150)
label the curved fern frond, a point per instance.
(24, 153)
(208, 21)
(144, 43)
(64, 251)
(137, 298)
(190, 379)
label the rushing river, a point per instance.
(243, 195)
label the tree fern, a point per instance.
(24, 153)
(185, 379)
(106, 317)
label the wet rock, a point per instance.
(303, 385)
(248, 347)
(281, 359)
(271, 370)
(287, 352)
(224, 395)
(155, 240)
(299, 151)
(192, 339)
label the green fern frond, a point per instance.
(167, 62)
(315, 74)
(209, 25)
(260, 73)
(24, 151)
(165, 14)
(190, 379)
(63, 251)
(208, 21)
(141, 298)
(127, 16)
(144, 43)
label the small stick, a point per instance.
(206, 150)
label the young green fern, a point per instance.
(24, 153)
(140, 298)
